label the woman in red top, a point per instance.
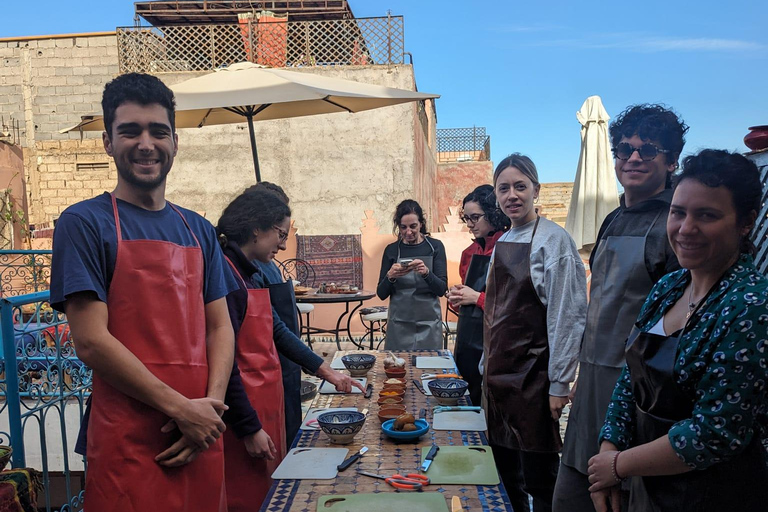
(487, 223)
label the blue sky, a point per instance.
(523, 68)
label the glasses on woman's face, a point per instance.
(282, 234)
(474, 218)
(647, 152)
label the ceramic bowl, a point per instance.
(394, 381)
(448, 391)
(358, 365)
(423, 428)
(389, 400)
(390, 412)
(389, 392)
(395, 373)
(341, 426)
(308, 390)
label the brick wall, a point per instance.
(554, 201)
(47, 84)
(62, 183)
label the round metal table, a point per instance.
(335, 298)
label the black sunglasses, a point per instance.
(647, 152)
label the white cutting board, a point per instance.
(459, 420)
(313, 413)
(428, 391)
(338, 364)
(310, 463)
(326, 388)
(438, 362)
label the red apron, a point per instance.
(248, 478)
(156, 309)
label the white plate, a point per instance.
(438, 362)
(326, 388)
(313, 413)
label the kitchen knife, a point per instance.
(456, 504)
(350, 460)
(430, 456)
(368, 390)
(423, 413)
(419, 386)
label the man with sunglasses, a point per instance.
(632, 253)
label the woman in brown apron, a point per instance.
(687, 413)
(535, 310)
(486, 223)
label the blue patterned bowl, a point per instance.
(423, 428)
(448, 391)
(341, 427)
(358, 365)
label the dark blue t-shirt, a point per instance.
(85, 246)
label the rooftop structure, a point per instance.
(463, 145)
(191, 12)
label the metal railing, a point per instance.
(463, 144)
(44, 386)
(24, 271)
(344, 42)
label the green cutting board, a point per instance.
(470, 465)
(384, 502)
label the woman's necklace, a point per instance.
(691, 304)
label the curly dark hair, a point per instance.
(719, 168)
(652, 122)
(484, 196)
(404, 208)
(253, 209)
(136, 88)
(271, 187)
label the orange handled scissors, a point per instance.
(409, 482)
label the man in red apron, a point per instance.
(143, 284)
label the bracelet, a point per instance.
(614, 471)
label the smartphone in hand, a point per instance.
(406, 261)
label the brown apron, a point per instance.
(515, 379)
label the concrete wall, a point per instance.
(12, 179)
(334, 167)
(554, 201)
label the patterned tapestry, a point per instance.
(335, 258)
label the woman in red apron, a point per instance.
(487, 223)
(535, 311)
(255, 226)
(689, 410)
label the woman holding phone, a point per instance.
(414, 275)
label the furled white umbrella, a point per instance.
(595, 193)
(250, 92)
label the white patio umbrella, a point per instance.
(250, 92)
(595, 193)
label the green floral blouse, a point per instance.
(722, 364)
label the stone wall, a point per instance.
(334, 167)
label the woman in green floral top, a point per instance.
(690, 407)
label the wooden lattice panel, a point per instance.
(366, 41)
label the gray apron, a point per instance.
(414, 320)
(619, 286)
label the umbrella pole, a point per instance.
(253, 148)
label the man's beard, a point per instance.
(147, 184)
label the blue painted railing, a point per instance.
(43, 384)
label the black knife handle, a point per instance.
(344, 465)
(432, 452)
(419, 386)
(368, 391)
(423, 414)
